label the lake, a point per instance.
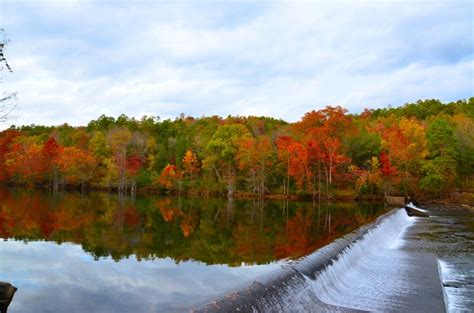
(108, 253)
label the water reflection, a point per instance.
(62, 278)
(106, 253)
(213, 231)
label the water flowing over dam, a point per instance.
(366, 270)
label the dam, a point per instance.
(379, 267)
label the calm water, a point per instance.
(105, 253)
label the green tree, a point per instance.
(440, 170)
(363, 147)
(441, 139)
(220, 153)
(464, 133)
(439, 175)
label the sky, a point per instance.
(76, 60)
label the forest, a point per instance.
(423, 149)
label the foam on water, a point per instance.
(455, 291)
(366, 274)
(400, 241)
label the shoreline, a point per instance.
(463, 199)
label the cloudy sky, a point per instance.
(76, 60)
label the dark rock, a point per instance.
(414, 212)
(6, 295)
(452, 284)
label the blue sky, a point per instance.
(76, 60)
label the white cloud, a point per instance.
(83, 59)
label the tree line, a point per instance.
(423, 148)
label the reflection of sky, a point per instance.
(63, 278)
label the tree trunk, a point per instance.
(55, 178)
(319, 178)
(230, 183)
(288, 178)
(133, 188)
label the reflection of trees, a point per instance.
(209, 230)
(253, 238)
(310, 227)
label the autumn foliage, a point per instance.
(169, 177)
(423, 148)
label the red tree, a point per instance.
(52, 151)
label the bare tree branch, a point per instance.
(3, 60)
(8, 103)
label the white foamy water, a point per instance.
(372, 273)
(451, 298)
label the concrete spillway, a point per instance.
(366, 270)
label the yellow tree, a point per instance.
(98, 145)
(119, 139)
(191, 165)
(109, 172)
(409, 157)
(416, 148)
(151, 147)
(369, 178)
